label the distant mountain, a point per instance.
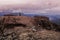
(55, 19)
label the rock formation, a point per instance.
(28, 28)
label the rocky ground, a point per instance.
(27, 28)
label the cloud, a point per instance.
(38, 6)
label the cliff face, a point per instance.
(28, 28)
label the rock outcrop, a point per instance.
(45, 23)
(28, 28)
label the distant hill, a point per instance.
(55, 19)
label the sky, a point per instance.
(37, 6)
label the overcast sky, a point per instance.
(40, 6)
